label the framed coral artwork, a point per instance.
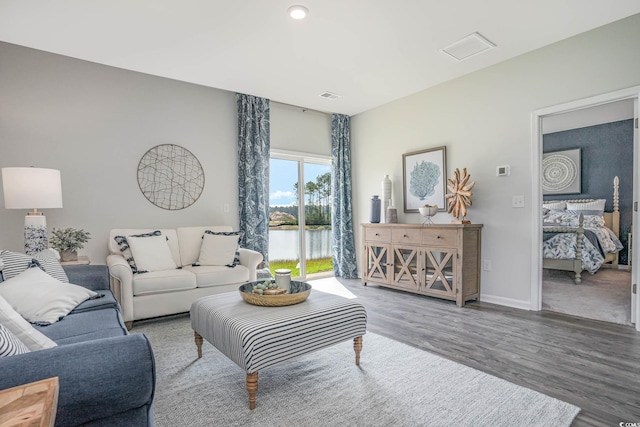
(424, 176)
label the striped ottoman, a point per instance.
(256, 337)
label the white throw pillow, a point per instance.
(31, 337)
(10, 345)
(151, 253)
(219, 248)
(40, 298)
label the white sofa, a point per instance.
(159, 293)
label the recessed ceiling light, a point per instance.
(298, 12)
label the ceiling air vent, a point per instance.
(329, 95)
(467, 47)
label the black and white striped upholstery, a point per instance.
(10, 345)
(256, 337)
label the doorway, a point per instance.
(300, 237)
(537, 153)
(601, 138)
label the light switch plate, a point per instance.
(517, 201)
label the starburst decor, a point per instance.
(459, 195)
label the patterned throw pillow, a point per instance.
(15, 263)
(220, 248)
(126, 250)
(10, 345)
(27, 334)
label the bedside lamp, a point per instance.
(32, 188)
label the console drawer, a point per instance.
(440, 237)
(382, 235)
(406, 235)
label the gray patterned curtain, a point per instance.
(344, 251)
(253, 172)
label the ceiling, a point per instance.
(370, 52)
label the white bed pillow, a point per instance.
(554, 205)
(151, 253)
(40, 298)
(31, 337)
(219, 248)
(595, 205)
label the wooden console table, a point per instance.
(31, 405)
(439, 260)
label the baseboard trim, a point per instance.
(515, 303)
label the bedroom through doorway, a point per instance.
(583, 153)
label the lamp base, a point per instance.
(35, 234)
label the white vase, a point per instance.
(386, 194)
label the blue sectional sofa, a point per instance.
(107, 377)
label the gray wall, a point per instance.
(94, 122)
(485, 120)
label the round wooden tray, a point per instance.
(299, 292)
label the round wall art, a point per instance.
(170, 177)
(561, 172)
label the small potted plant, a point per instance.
(67, 241)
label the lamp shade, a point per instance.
(31, 188)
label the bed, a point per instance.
(578, 235)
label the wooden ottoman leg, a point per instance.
(357, 346)
(252, 388)
(198, 339)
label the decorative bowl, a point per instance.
(299, 292)
(428, 211)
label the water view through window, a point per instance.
(287, 212)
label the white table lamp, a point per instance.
(32, 188)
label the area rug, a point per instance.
(395, 385)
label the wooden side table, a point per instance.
(32, 404)
(82, 260)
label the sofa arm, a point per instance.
(98, 379)
(94, 277)
(250, 259)
(122, 284)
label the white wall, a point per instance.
(94, 123)
(484, 119)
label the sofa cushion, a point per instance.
(214, 275)
(31, 337)
(158, 282)
(85, 326)
(15, 263)
(39, 297)
(151, 253)
(10, 345)
(220, 248)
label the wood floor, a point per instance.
(591, 364)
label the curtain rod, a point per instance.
(304, 109)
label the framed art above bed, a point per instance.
(561, 172)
